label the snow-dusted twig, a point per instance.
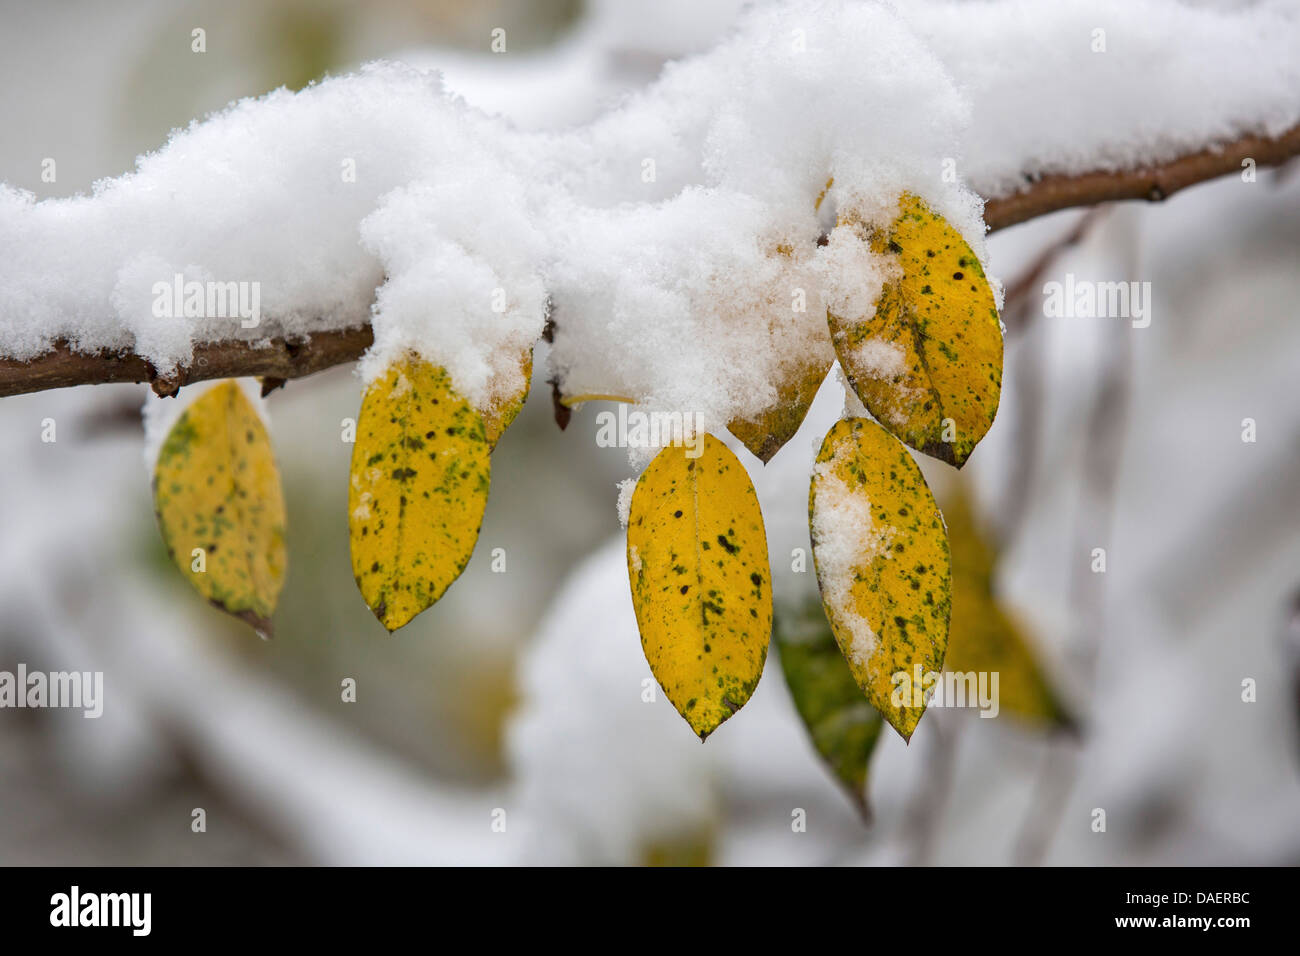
(63, 366)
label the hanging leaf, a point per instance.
(418, 488)
(843, 726)
(697, 559)
(220, 507)
(765, 435)
(500, 413)
(927, 363)
(882, 564)
(984, 638)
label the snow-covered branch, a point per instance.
(63, 367)
(382, 206)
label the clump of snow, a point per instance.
(882, 358)
(462, 285)
(845, 539)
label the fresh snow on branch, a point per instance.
(671, 236)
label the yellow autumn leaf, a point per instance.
(799, 377)
(500, 412)
(217, 494)
(418, 489)
(985, 638)
(882, 563)
(927, 363)
(697, 560)
(776, 425)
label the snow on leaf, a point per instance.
(418, 488)
(701, 587)
(501, 412)
(986, 639)
(927, 363)
(766, 434)
(843, 726)
(882, 563)
(220, 506)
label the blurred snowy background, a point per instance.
(523, 691)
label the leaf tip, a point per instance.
(862, 805)
(263, 626)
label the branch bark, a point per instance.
(64, 367)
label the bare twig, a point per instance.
(62, 367)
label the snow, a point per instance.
(1172, 78)
(846, 539)
(625, 489)
(673, 233)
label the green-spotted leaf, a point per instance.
(882, 562)
(843, 726)
(697, 560)
(502, 411)
(984, 638)
(927, 363)
(418, 489)
(765, 435)
(220, 507)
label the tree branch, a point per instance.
(1153, 183)
(63, 367)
